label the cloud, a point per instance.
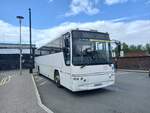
(49, 1)
(86, 6)
(147, 2)
(112, 2)
(10, 33)
(121, 19)
(89, 7)
(131, 32)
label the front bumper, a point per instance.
(92, 86)
(92, 82)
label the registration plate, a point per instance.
(98, 84)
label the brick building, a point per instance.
(135, 60)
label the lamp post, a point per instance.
(20, 18)
(31, 49)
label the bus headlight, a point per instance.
(75, 78)
(111, 76)
(80, 79)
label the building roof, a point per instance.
(6, 48)
(15, 46)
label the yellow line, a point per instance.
(1, 82)
(5, 80)
(8, 79)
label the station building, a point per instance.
(10, 55)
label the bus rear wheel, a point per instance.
(57, 79)
(38, 70)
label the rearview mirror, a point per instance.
(67, 42)
(117, 48)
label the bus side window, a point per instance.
(66, 49)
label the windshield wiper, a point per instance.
(82, 66)
(87, 54)
(87, 62)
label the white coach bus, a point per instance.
(78, 60)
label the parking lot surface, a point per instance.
(17, 93)
(130, 94)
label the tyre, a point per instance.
(38, 70)
(57, 79)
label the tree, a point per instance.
(147, 47)
(139, 48)
(125, 48)
(132, 48)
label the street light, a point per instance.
(31, 49)
(20, 18)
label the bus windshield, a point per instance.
(91, 48)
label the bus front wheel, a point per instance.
(57, 79)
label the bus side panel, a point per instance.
(65, 77)
(49, 63)
(44, 66)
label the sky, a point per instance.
(125, 20)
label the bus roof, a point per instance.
(93, 31)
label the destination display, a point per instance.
(89, 34)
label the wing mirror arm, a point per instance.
(118, 43)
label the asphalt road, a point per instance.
(130, 94)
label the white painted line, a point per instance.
(3, 81)
(138, 71)
(42, 83)
(39, 79)
(8, 79)
(122, 73)
(39, 99)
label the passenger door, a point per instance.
(66, 68)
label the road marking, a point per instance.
(2, 82)
(122, 73)
(5, 80)
(42, 83)
(39, 79)
(39, 99)
(36, 77)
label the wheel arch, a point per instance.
(56, 71)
